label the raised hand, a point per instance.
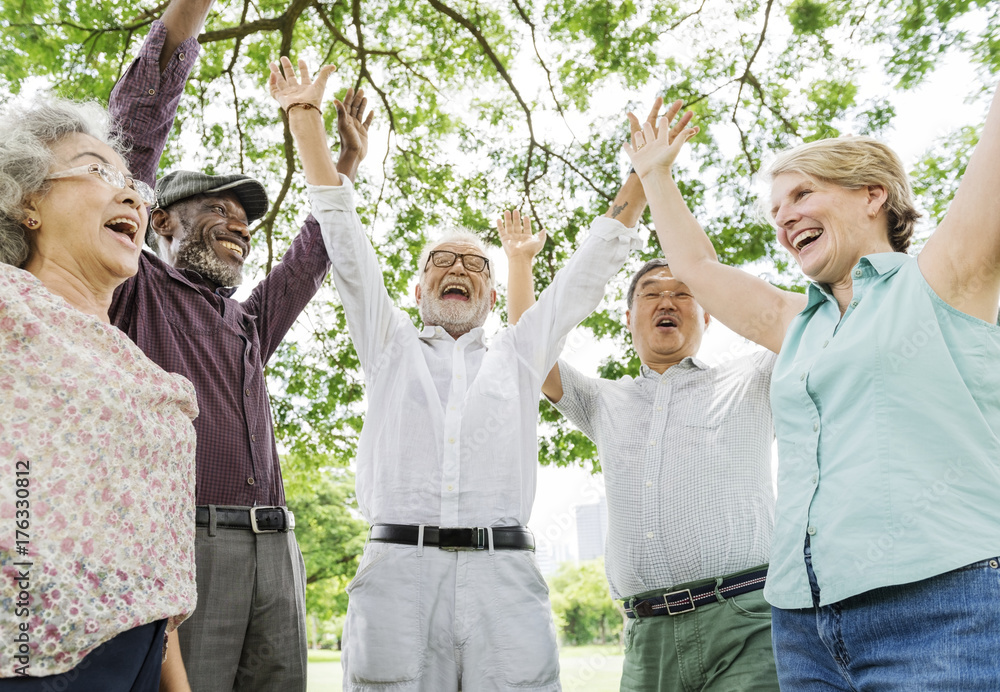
(287, 90)
(516, 237)
(353, 130)
(654, 144)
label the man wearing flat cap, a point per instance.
(248, 630)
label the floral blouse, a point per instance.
(97, 483)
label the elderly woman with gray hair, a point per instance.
(96, 441)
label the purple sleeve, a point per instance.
(283, 294)
(144, 101)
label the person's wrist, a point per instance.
(302, 106)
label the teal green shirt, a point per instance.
(888, 426)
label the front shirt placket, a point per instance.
(861, 277)
(452, 443)
(653, 468)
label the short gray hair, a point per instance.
(27, 134)
(458, 235)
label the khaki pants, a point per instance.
(718, 647)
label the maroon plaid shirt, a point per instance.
(175, 317)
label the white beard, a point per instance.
(198, 256)
(455, 316)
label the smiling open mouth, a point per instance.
(807, 237)
(666, 322)
(455, 290)
(123, 225)
(229, 245)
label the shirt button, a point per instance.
(854, 303)
(814, 479)
(451, 487)
(180, 56)
(649, 484)
(659, 408)
(458, 377)
(652, 443)
(151, 92)
(826, 343)
(815, 427)
(451, 440)
(250, 480)
(802, 377)
(253, 438)
(247, 391)
(857, 272)
(451, 408)
(649, 534)
(811, 530)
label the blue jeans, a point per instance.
(938, 634)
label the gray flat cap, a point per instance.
(179, 185)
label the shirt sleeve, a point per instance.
(278, 300)
(579, 399)
(144, 101)
(574, 293)
(371, 315)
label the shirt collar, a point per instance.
(197, 279)
(436, 333)
(688, 363)
(870, 265)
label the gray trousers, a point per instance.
(248, 633)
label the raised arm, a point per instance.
(961, 260)
(144, 101)
(183, 20)
(352, 127)
(746, 304)
(521, 247)
(302, 98)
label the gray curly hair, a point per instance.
(27, 134)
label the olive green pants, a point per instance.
(718, 647)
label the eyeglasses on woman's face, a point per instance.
(113, 177)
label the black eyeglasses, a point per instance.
(446, 258)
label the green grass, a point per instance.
(583, 669)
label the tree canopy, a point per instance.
(483, 106)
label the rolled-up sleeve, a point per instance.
(144, 101)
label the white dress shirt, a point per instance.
(687, 467)
(450, 435)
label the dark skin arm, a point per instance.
(183, 20)
(352, 127)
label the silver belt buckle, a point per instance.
(675, 593)
(289, 519)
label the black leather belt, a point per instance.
(257, 519)
(504, 537)
(686, 600)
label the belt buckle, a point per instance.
(690, 598)
(480, 540)
(257, 529)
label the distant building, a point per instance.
(550, 555)
(591, 528)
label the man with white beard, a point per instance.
(448, 595)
